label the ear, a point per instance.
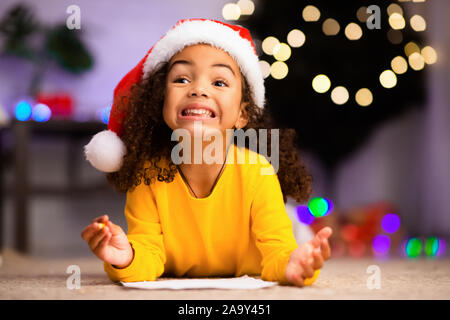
(242, 117)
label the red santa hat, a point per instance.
(106, 150)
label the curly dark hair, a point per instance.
(145, 134)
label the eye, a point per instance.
(180, 79)
(224, 84)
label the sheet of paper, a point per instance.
(244, 282)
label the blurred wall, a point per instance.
(117, 33)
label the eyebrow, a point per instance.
(186, 62)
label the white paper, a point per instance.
(244, 282)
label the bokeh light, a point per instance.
(279, 70)
(353, 31)
(104, 114)
(296, 38)
(442, 247)
(364, 97)
(330, 206)
(362, 14)
(394, 8)
(388, 79)
(318, 206)
(41, 112)
(381, 244)
(23, 111)
(247, 7)
(269, 44)
(281, 52)
(330, 27)
(416, 61)
(411, 47)
(431, 246)
(429, 55)
(390, 223)
(321, 83)
(304, 215)
(349, 232)
(395, 36)
(396, 21)
(418, 23)
(339, 95)
(311, 13)
(399, 65)
(231, 11)
(413, 247)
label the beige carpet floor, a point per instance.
(24, 277)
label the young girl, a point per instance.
(199, 219)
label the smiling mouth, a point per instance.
(197, 114)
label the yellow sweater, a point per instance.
(242, 227)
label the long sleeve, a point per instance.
(272, 227)
(145, 236)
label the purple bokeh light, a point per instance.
(304, 215)
(390, 223)
(381, 244)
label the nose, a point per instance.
(197, 90)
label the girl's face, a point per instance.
(203, 84)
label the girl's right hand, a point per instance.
(108, 242)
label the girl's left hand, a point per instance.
(308, 258)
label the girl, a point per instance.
(195, 218)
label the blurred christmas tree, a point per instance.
(29, 39)
(332, 38)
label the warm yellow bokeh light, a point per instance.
(247, 7)
(265, 68)
(330, 27)
(296, 38)
(321, 83)
(429, 55)
(362, 14)
(394, 8)
(269, 44)
(231, 11)
(311, 13)
(279, 70)
(410, 48)
(388, 79)
(282, 52)
(399, 65)
(396, 21)
(339, 95)
(416, 61)
(418, 23)
(353, 31)
(395, 36)
(364, 97)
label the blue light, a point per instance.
(41, 112)
(22, 111)
(390, 223)
(104, 114)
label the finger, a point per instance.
(90, 231)
(306, 265)
(325, 249)
(298, 280)
(93, 242)
(114, 228)
(103, 242)
(318, 260)
(325, 233)
(102, 219)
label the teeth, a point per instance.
(198, 111)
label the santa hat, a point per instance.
(106, 150)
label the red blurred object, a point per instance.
(61, 104)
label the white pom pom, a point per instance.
(105, 151)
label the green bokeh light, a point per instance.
(431, 246)
(413, 247)
(318, 206)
